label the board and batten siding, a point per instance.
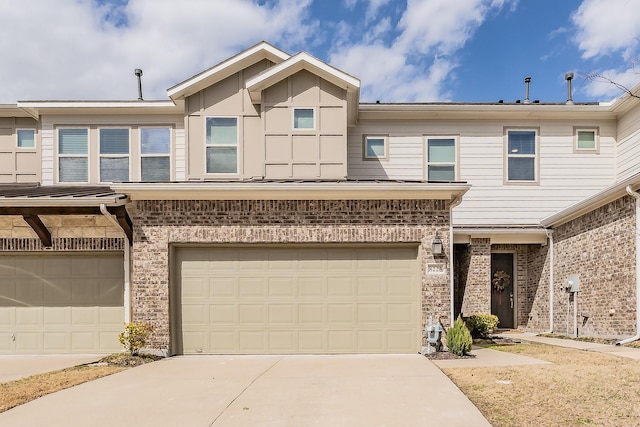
(565, 176)
(628, 149)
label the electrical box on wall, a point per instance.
(573, 283)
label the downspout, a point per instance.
(551, 264)
(455, 202)
(127, 258)
(636, 337)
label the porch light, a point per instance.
(436, 246)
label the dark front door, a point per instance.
(502, 288)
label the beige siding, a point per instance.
(628, 149)
(18, 164)
(320, 153)
(565, 176)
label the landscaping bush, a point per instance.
(134, 336)
(481, 325)
(459, 338)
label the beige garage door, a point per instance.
(282, 300)
(71, 303)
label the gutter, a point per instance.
(636, 337)
(127, 263)
(551, 266)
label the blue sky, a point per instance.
(401, 50)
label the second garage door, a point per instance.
(307, 300)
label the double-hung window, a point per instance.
(303, 119)
(26, 138)
(73, 155)
(114, 155)
(522, 155)
(441, 158)
(155, 154)
(222, 145)
(375, 147)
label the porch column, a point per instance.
(477, 289)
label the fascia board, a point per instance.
(25, 202)
(227, 68)
(101, 107)
(301, 61)
(591, 203)
(290, 191)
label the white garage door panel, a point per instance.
(61, 303)
(299, 300)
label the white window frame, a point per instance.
(535, 156)
(35, 142)
(455, 162)
(596, 140)
(365, 146)
(113, 156)
(293, 119)
(64, 156)
(169, 154)
(237, 146)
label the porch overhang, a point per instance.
(523, 235)
(32, 201)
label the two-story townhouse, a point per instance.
(264, 209)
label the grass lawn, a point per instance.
(580, 388)
(14, 393)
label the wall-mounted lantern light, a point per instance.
(436, 246)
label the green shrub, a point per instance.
(459, 338)
(134, 336)
(481, 325)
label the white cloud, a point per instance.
(607, 26)
(609, 84)
(60, 49)
(416, 64)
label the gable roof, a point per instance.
(304, 61)
(228, 67)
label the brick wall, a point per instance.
(537, 292)
(477, 294)
(158, 224)
(599, 247)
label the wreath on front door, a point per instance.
(501, 280)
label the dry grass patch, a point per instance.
(580, 388)
(14, 393)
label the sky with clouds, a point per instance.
(401, 50)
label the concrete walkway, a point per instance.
(486, 357)
(354, 390)
(14, 367)
(613, 350)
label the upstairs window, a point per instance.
(375, 147)
(441, 159)
(303, 118)
(26, 138)
(73, 155)
(114, 155)
(521, 156)
(155, 154)
(586, 140)
(222, 145)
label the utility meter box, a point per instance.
(573, 283)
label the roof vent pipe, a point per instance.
(527, 82)
(138, 73)
(568, 77)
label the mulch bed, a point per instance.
(491, 340)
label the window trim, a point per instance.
(293, 119)
(365, 139)
(35, 140)
(456, 161)
(237, 146)
(58, 155)
(535, 156)
(169, 154)
(596, 139)
(100, 155)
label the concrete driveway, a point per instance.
(378, 390)
(14, 367)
